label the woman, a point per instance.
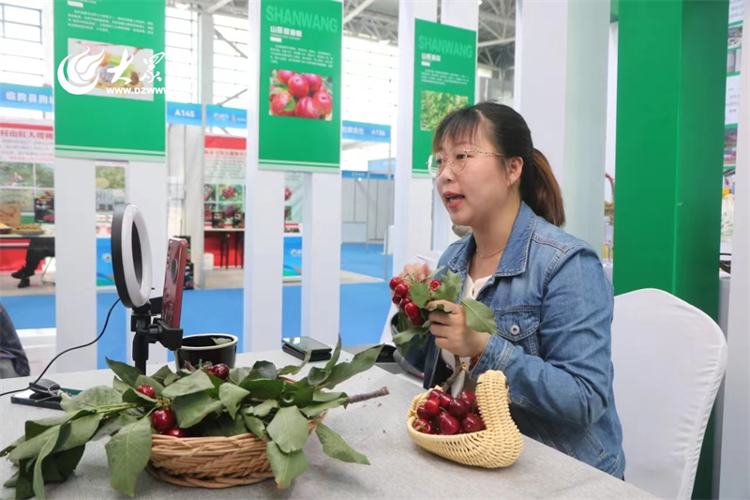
(552, 302)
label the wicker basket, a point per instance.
(212, 462)
(499, 445)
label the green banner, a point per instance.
(300, 86)
(445, 64)
(110, 79)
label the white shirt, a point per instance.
(471, 290)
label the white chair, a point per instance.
(669, 359)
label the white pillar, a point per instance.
(561, 60)
(735, 461)
(264, 223)
(412, 232)
(146, 185)
(460, 14)
(321, 257)
(75, 261)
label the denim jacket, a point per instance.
(553, 309)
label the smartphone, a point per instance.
(299, 346)
(31, 398)
(174, 279)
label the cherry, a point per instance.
(298, 86)
(395, 281)
(459, 408)
(472, 423)
(220, 371)
(434, 284)
(401, 290)
(163, 420)
(284, 75)
(435, 394)
(444, 400)
(412, 310)
(418, 321)
(146, 390)
(397, 300)
(177, 432)
(469, 396)
(448, 424)
(429, 409)
(315, 81)
(404, 302)
(424, 426)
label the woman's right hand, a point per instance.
(420, 272)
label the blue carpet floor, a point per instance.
(364, 308)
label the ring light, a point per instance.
(131, 256)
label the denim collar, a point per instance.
(516, 254)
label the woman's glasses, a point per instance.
(456, 160)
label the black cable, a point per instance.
(104, 329)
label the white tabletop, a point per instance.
(376, 428)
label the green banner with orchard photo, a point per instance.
(300, 86)
(109, 79)
(445, 61)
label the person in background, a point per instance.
(38, 250)
(551, 300)
(13, 361)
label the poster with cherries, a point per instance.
(300, 86)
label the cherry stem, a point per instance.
(358, 398)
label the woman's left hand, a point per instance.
(452, 333)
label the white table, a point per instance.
(376, 428)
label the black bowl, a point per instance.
(201, 348)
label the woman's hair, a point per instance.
(511, 137)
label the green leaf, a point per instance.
(161, 375)
(12, 482)
(361, 362)
(313, 411)
(450, 288)
(197, 381)
(254, 425)
(96, 398)
(237, 375)
(285, 466)
(440, 308)
(479, 317)
(334, 358)
(109, 427)
(133, 396)
(294, 369)
(231, 396)
(264, 389)
(79, 432)
(335, 447)
(403, 338)
(144, 380)
(68, 460)
(266, 369)
(326, 396)
(420, 294)
(128, 374)
(35, 427)
(24, 486)
(128, 453)
(317, 376)
(119, 385)
(403, 322)
(289, 429)
(263, 409)
(32, 447)
(228, 426)
(171, 379)
(47, 448)
(192, 408)
(303, 396)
